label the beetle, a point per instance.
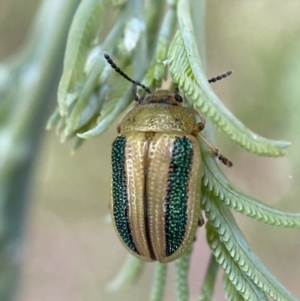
(156, 174)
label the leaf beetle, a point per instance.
(156, 174)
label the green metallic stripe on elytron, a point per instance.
(119, 192)
(177, 194)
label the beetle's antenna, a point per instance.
(219, 77)
(117, 69)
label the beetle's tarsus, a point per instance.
(201, 222)
(224, 160)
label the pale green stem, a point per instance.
(37, 81)
(128, 275)
(159, 282)
(208, 285)
(182, 266)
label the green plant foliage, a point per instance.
(128, 275)
(232, 239)
(215, 182)
(86, 23)
(187, 72)
(208, 284)
(92, 96)
(182, 266)
(27, 80)
(159, 282)
(239, 285)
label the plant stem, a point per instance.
(20, 136)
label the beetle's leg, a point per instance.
(200, 221)
(215, 151)
(119, 127)
(199, 126)
(135, 94)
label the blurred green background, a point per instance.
(71, 253)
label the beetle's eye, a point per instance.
(178, 98)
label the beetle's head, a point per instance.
(162, 97)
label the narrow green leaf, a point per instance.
(53, 120)
(157, 70)
(224, 224)
(128, 275)
(116, 103)
(116, 3)
(96, 69)
(208, 285)
(243, 285)
(91, 109)
(85, 26)
(187, 71)
(182, 266)
(153, 15)
(159, 282)
(76, 144)
(215, 182)
(231, 293)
